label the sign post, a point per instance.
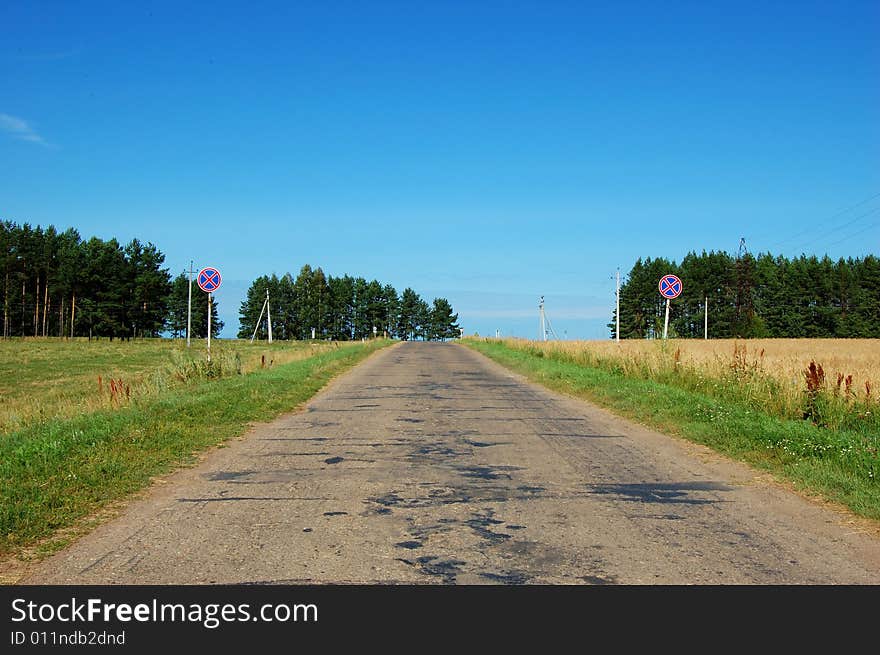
(209, 281)
(189, 304)
(670, 287)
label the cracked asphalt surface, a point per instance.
(429, 463)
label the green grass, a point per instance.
(840, 465)
(57, 471)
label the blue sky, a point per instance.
(486, 152)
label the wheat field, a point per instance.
(783, 359)
(770, 372)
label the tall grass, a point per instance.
(46, 379)
(790, 379)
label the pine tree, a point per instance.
(200, 316)
(443, 322)
(149, 288)
(408, 319)
(392, 310)
(177, 306)
(341, 291)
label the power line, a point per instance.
(871, 226)
(830, 218)
(840, 227)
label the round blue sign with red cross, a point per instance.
(670, 286)
(209, 279)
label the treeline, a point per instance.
(748, 296)
(313, 305)
(56, 284)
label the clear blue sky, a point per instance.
(487, 152)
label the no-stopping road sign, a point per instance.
(670, 286)
(209, 279)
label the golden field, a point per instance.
(51, 378)
(783, 359)
(771, 371)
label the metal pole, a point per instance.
(666, 324)
(209, 327)
(268, 316)
(189, 303)
(617, 296)
(706, 320)
(543, 328)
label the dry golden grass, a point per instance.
(48, 378)
(782, 359)
(770, 371)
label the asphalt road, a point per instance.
(429, 463)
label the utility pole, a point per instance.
(189, 303)
(617, 296)
(543, 324)
(264, 308)
(268, 315)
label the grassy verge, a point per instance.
(59, 471)
(46, 379)
(841, 465)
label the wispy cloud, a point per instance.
(20, 129)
